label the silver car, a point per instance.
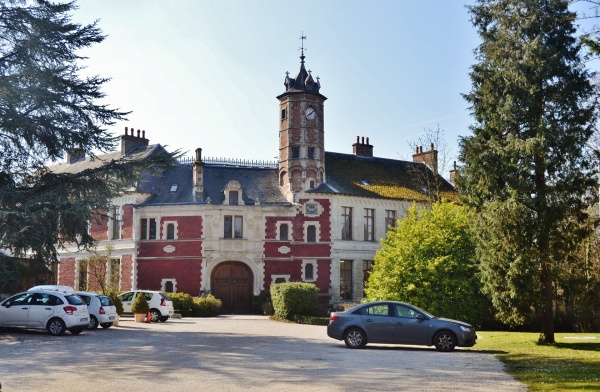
(102, 310)
(398, 323)
(43, 309)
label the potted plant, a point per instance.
(140, 307)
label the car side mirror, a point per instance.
(421, 317)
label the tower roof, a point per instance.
(303, 82)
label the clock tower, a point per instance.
(301, 134)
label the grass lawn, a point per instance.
(572, 364)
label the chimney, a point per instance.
(198, 173)
(129, 141)
(75, 155)
(362, 149)
(430, 158)
(453, 174)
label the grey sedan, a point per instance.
(398, 323)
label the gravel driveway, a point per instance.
(233, 353)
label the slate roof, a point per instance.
(258, 185)
(95, 162)
(349, 174)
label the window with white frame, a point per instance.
(170, 230)
(390, 220)
(233, 226)
(312, 231)
(283, 231)
(309, 270)
(169, 285)
(279, 279)
(115, 216)
(347, 223)
(148, 228)
(369, 224)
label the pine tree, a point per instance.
(47, 108)
(525, 167)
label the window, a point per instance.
(376, 310)
(311, 234)
(283, 114)
(367, 269)
(233, 197)
(169, 287)
(295, 152)
(148, 229)
(405, 311)
(283, 232)
(311, 184)
(116, 222)
(83, 275)
(170, 231)
(114, 277)
(347, 223)
(174, 187)
(390, 219)
(369, 224)
(309, 272)
(311, 152)
(233, 227)
(346, 279)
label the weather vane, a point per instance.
(302, 37)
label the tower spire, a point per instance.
(302, 37)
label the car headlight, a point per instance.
(466, 329)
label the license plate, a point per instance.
(111, 318)
(84, 320)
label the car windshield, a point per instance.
(74, 300)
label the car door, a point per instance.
(40, 310)
(408, 328)
(127, 299)
(377, 323)
(15, 310)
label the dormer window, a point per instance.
(174, 187)
(233, 197)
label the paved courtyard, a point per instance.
(233, 353)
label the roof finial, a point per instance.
(302, 37)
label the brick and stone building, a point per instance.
(233, 228)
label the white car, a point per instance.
(161, 306)
(44, 309)
(102, 310)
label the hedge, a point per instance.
(294, 298)
(188, 306)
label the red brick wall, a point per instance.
(188, 227)
(66, 272)
(99, 230)
(186, 273)
(126, 272)
(127, 222)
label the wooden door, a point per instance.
(232, 283)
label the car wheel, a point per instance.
(154, 315)
(164, 318)
(444, 341)
(93, 324)
(56, 327)
(76, 331)
(106, 325)
(355, 338)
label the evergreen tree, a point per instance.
(525, 167)
(47, 108)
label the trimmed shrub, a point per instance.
(140, 305)
(114, 297)
(188, 306)
(295, 298)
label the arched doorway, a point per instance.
(231, 282)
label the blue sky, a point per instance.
(206, 74)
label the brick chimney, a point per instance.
(453, 173)
(362, 149)
(198, 173)
(129, 141)
(430, 158)
(75, 155)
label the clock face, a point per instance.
(310, 113)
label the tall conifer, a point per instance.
(525, 166)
